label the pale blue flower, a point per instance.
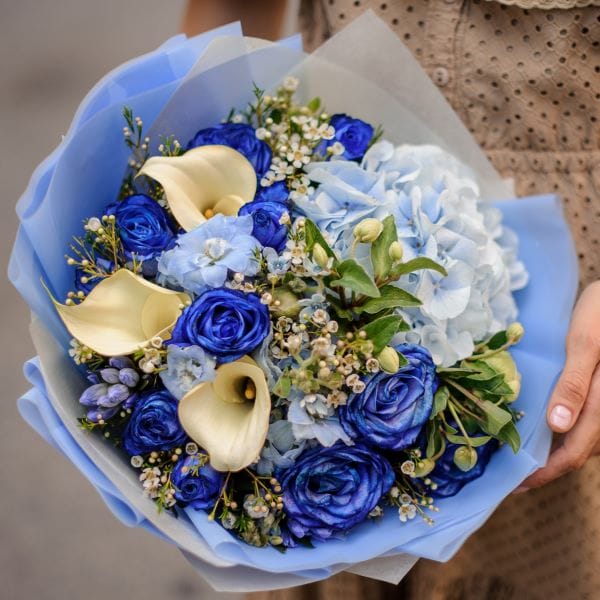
(187, 366)
(281, 448)
(276, 264)
(203, 257)
(312, 419)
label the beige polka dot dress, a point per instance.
(524, 76)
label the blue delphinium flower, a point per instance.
(354, 134)
(187, 366)
(267, 209)
(144, 227)
(240, 137)
(329, 490)
(391, 411)
(112, 389)
(202, 257)
(449, 479)
(228, 324)
(196, 486)
(276, 264)
(153, 425)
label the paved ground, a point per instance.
(57, 539)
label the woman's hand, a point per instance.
(574, 409)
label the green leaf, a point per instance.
(498, 340)
(314, 236)
(456, 372)
(282, 387)
(473, 441)
(382, 263)
(436, 443)
(496, 417)
(391, 297)
(314, 104)
(382, 330)
(417, 264)
(355, 278)
(342, 313)
(440, 401)
(510, 434)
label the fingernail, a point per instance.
(561, 416)
(520, 489)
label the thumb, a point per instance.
(583, 355)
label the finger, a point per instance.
(577, 445)
(583, 355)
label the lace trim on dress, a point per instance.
(549, 4)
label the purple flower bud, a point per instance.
(130, 402)
(93, 395)
(110, 375)
(96, 414)
(121, 362)
(117, 393)
(129, 377)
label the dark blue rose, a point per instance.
(197, 486)
(329, 490)
(153, 425)
(143, 225)
(392, 409)
(226, 323)
(354, 134)
(240, 137)
(266, 209)
(106, 265)
(449, 478)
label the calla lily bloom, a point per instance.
(229, 416)
(204, 181)
(123, 313)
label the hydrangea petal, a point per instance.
(218, 417)
(215, 178)
(122, 313)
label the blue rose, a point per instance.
(228, 324)
(329, 490)
(143, 225)
(449, 479)
(267, 208)
(153, 425)
(196, 486)
(240, 137)
(392, 409)
(354, 134)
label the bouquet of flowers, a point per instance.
(285, 327)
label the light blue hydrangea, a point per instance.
(276, 264)
(203, 257)
(439, 214)
(187, 366)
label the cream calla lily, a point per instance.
(209, 178)
(218, 416)
(122, 313)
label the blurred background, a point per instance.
(58, 540)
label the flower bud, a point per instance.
(389, 360)
(285, 303)
(424, 467)
(503, 362)
(368, 230)
(320, 256)
(396, 251)
(515, 332)
(465, 458)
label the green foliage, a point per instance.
(417, 264)
(382, 330)
(353, 277)
(390, 297)
(382, 263)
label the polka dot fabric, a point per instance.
(526, 82)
